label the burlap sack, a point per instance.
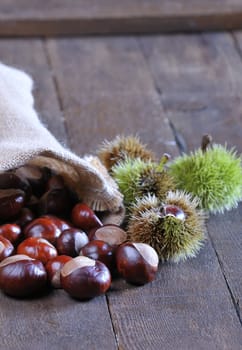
(24, 139)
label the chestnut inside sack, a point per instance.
(25, 140)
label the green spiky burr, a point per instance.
(122, 147)
(213, 174)
(136, 178)
(175, 236)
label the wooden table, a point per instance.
(169, 90)
(75, 17)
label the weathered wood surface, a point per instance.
(199, 80)
(55, 321)
(51, 17)
(106, 89)
(188, 305)
(91, 89)
(201, 93)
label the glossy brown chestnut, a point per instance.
(53, 268)
(9, 180)
(85, 278)
(43, 227)
(102, 251)
(37, 248)
(12, 232)
(21, 276)
(60, 223)
(11, 202)
(84, 217)
(33, 204)
(175, 211)
(110, 233)
(6, 248)
(25, 216)
(56, 201)
(36, 176)
(71, 241)
(137, 263)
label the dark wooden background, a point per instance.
(169, 90)
(75, 17)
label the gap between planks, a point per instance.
(114, 303)
(195, 271)
(237, 50)
(58, 94)
(49, 322)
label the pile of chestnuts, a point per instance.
(48, 238)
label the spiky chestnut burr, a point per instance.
(122, 147)
(175, 228)
(212, 173)
(136, 178)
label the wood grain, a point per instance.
(198, 78)
(210, 102)
(195, 116)
(237, 36)
(188, 305)
(106, 90)
(35, 18)
(54, 321)
(201, 65)
(225, 231)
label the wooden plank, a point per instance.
(34, 18)
(195, 116)
(106, 88)
(237, 36)
(201, 65)
(195, 111)
(187, 307)
(199, 83)
(93, 8)
(225, 231)
(54, 321)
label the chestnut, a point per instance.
(137, 263)
(56, 201)
(12, 232)
(36, 176)
(84, 217)
(109, 233)
(53, 268)
(9, 180)
(60, 223)
(25, 216)
(102, 251)
(37, 248)
(71, 241)
(33, 204)
(22, 276)
(175, 211)
(11, 202)
(6, 248)
(85, 278)
(44, 227)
